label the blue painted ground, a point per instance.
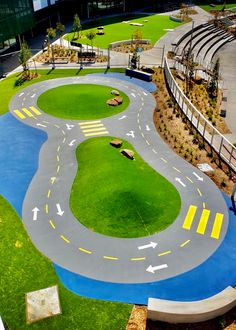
(149, 86)
(211, 277)
(19, 151)
(20, 146)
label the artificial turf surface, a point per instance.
(24, 269)
(116, 196)
(115, 30)
(206, 5)
(8, 87)
(86, 101)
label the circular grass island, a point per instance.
(116, 196)
(80, 102)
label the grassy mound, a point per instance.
(119, 197)
(80, 101)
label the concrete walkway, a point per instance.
(154, 57)
(227, 57)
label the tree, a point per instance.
(60, 29)
(51, 35)
(24, 55)
(138, 36)
(90, 35)
(77, 27)
(188, 61)
(213, 84)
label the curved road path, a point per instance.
(192, 238)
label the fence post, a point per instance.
(221, 143)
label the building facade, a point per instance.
(16, 17)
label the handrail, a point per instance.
(222, 146)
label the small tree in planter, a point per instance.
(60, 28)
(51, 34)
(213, 84)
(23, 57)
(77, 27)
(138, 38)
(90, 35)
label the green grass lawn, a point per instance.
(115, 30)
(218, 6)
(8, 89)
(119, 197)
(24, 269)
(86, 101)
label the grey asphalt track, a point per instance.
(58, 235)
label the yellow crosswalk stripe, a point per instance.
(189, 217)
(27, 112)
(96, 133)
(91, 126)
(217, 225)
(90, 122)
(203, 222)
(19, 114)
(93, 129)
(36, 111)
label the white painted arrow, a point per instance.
(41, 125)
(53, 179)
(150, 245)
(69, 127)
(131, 133)
(72, 143)
(33, 95)
(35, 213)
(181, 182)
(133, 94)
(21, 94)
(152, 269)
(59, 210)
(197, 176)
(144, 93)
(147, 128)
(123, 117)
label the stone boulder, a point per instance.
(116, 143)
(128, 153)
(115, 92)
(119, 99)
(116, 101)
(112, 102)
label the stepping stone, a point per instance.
(128, 153)
(116, 143)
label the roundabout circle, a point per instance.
(81, 101)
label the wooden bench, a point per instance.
(193, 311)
